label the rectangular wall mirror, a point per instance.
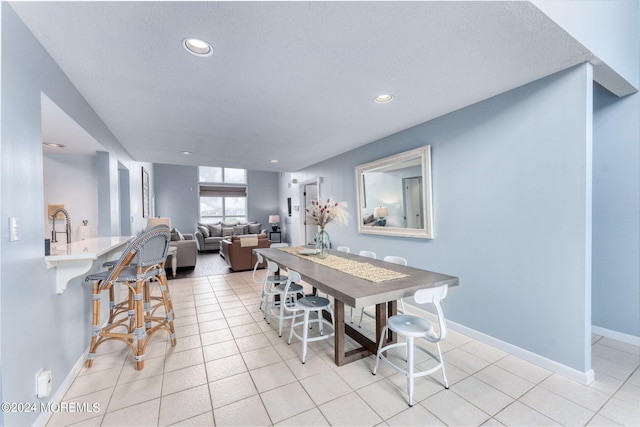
(394, 195)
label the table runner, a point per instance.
(362, 270)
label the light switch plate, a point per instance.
(14, 229)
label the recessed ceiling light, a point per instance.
(273, 161)
(53, 145)
(381, 99)
(187, 153)
(197, 47)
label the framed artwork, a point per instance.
(145, 193)
(52, 208)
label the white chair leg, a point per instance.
(320, 322)
(382, 335)
(264, 302)
(410, 369)
(444, 375)
(402, 306)
(283, 301)
(305, 335)
(268, 307)
(293, 321)
(361, 316)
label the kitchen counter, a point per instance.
(77, 258)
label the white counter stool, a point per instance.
(372, 255)
(279, 296)
(141, 262)
(414, 327)
(279, 245)
(305, 306)
(394, 260)
(271, 277)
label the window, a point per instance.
(222, 194)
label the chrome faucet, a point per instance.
(67, 230)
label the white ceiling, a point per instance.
(292, 81)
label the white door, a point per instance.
(413, 202)
(310, 193)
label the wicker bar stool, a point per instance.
(115, 309)
(142, 262)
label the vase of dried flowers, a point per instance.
(321, 214)
(323, 243)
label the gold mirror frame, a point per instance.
(368, 195)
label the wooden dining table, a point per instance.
(347, 289)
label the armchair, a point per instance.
(237, 251)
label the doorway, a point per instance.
(413, 213)
(310, 193)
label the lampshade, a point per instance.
(381, 212)
(274, 219)
(153, 221)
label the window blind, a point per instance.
(223, 191)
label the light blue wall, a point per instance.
(263, 196)
(616, 213)
(39, 328)
(511, 196)
(176, 195)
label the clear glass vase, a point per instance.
(323, 243)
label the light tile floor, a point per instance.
(231, 368)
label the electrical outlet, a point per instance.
(37, 376)
(43, 383)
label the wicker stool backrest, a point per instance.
(153, 247)
(128, 256)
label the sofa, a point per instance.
(237, 251)
(209, 236)
(187, 248)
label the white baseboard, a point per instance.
(57, 397)
(543, 362)
(615, 335)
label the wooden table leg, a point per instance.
(342, 329)
(338, 338)
(383, 312)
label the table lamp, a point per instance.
(381, 213)
(274, 220)
(154, 221)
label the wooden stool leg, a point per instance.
(147, 303)
(112, 304)
(139, 333)
(168, 307)
(95, 326)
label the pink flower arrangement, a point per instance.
(322, 214)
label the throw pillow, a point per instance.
(174, 235)
(367, 219)
(180, 236)
(255, 228)
(204, 230)
(227, 231)
(240, 230)
(215, 230)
